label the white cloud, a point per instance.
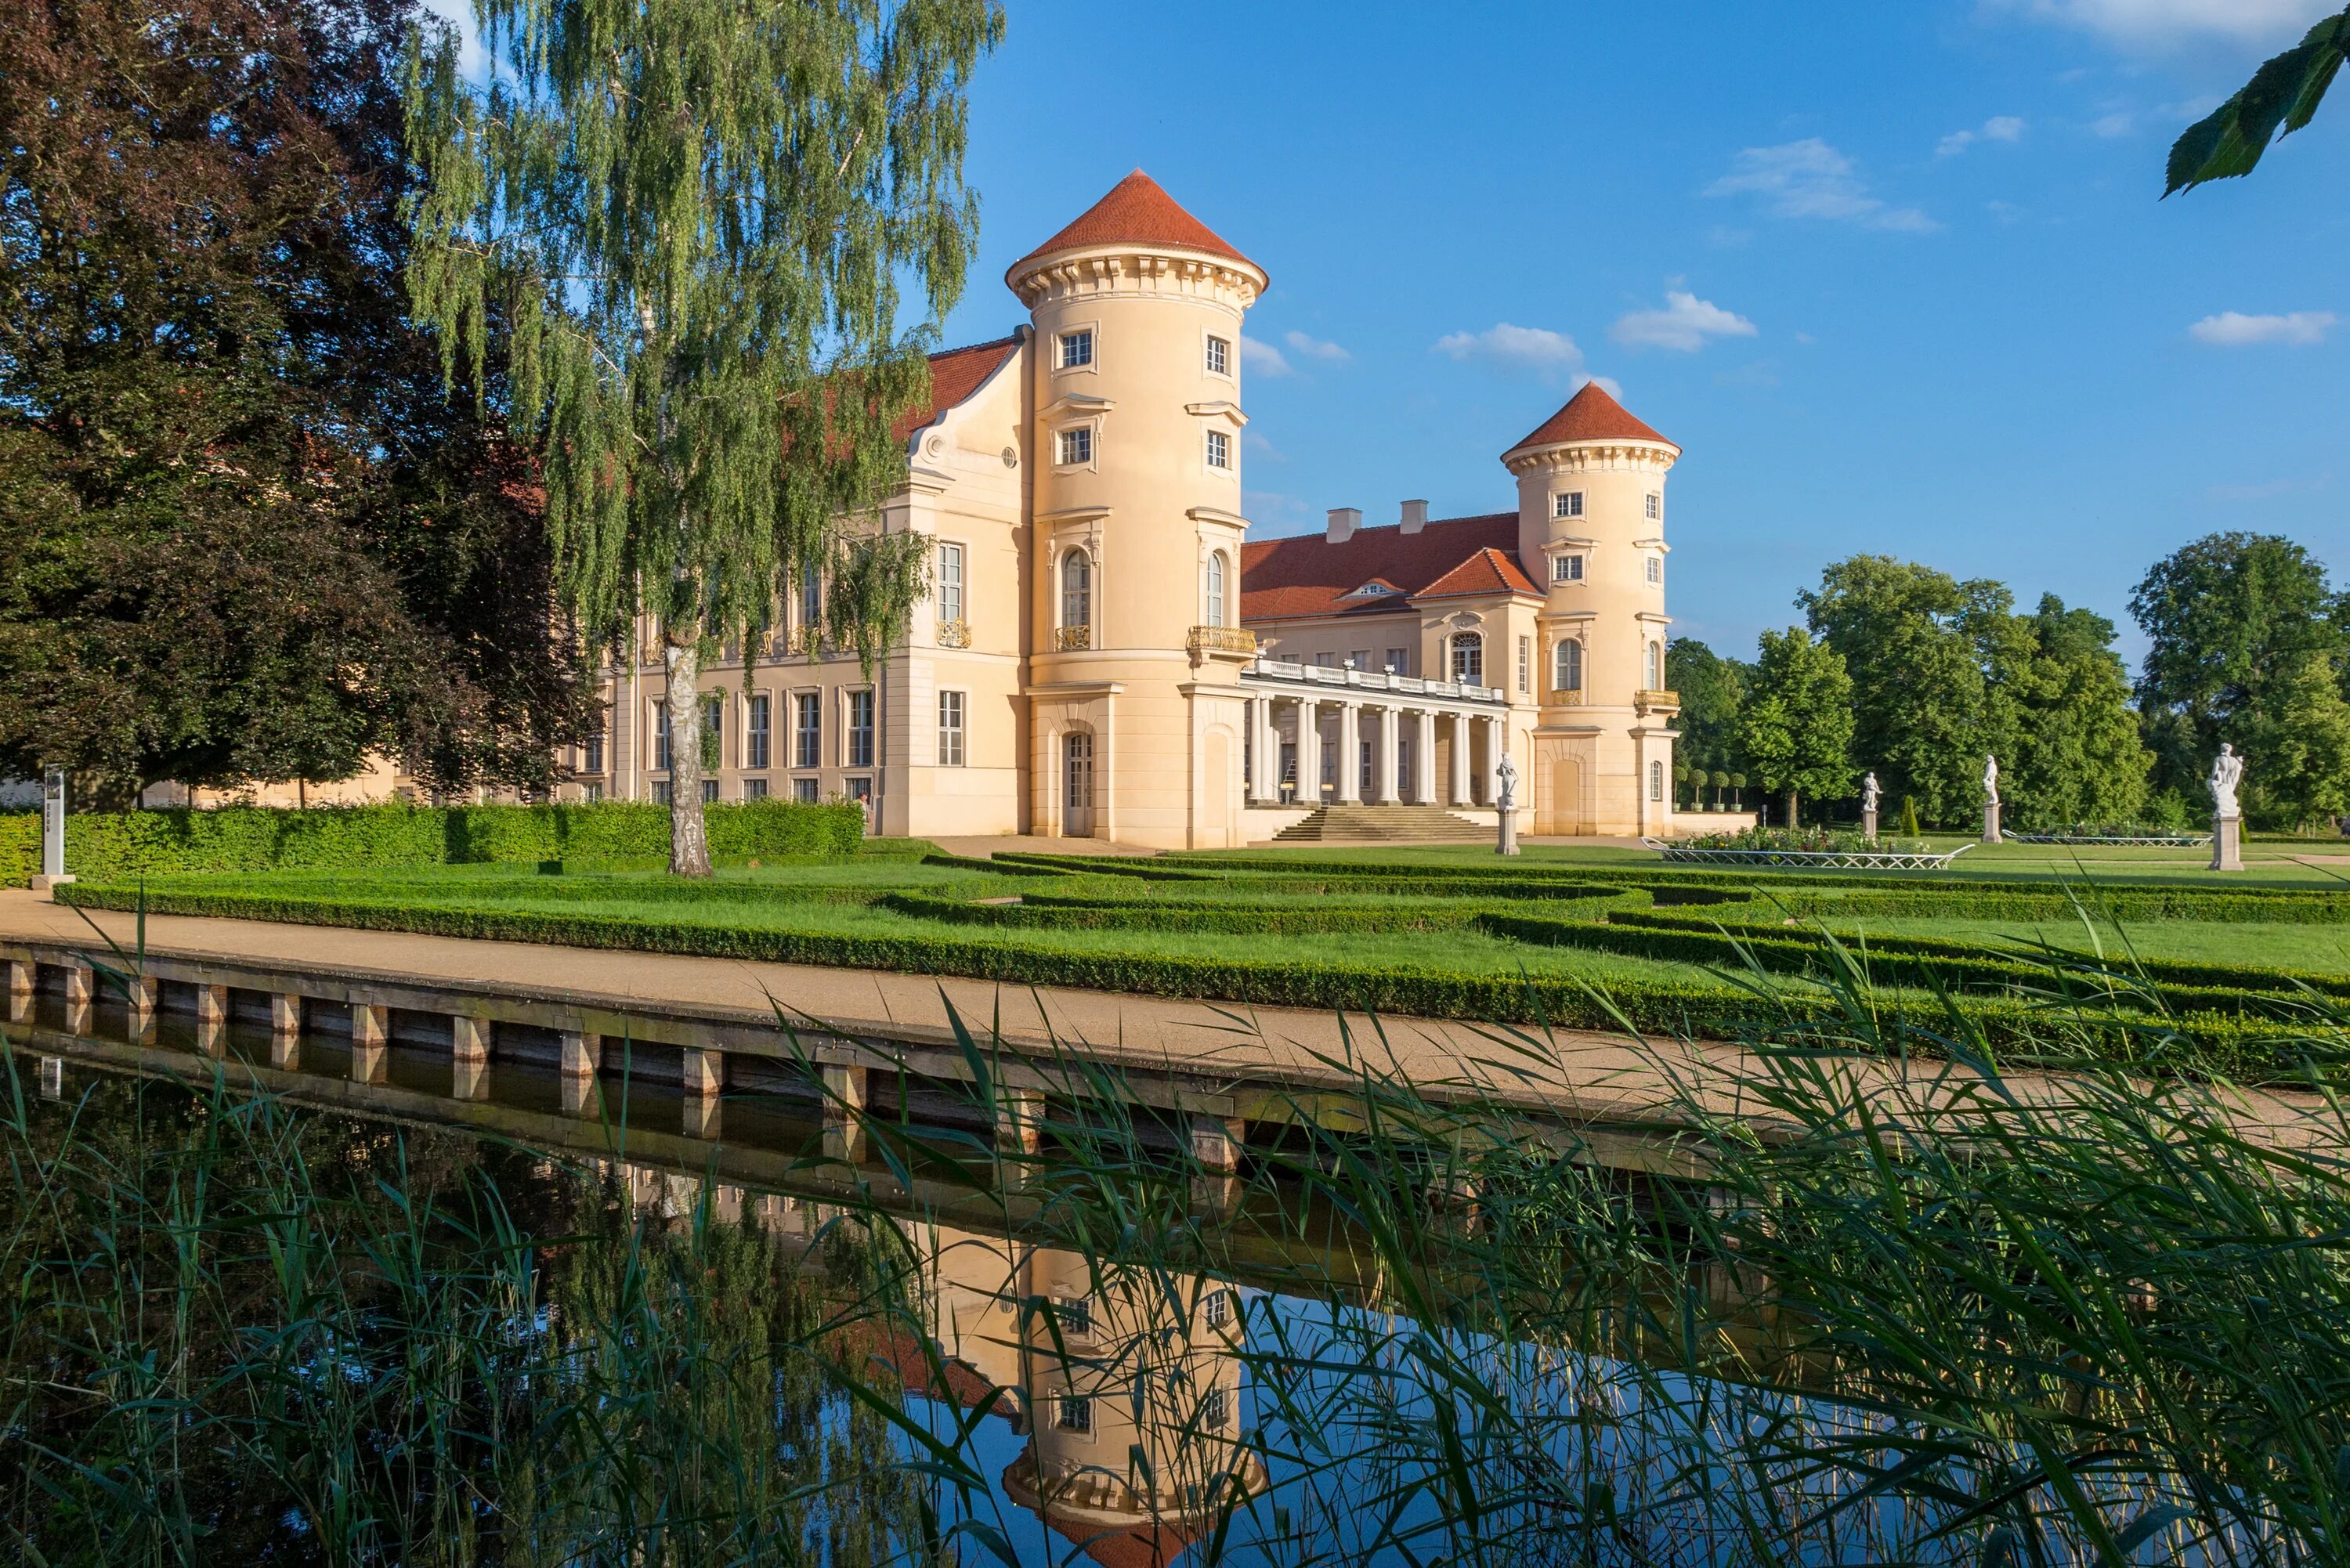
(2234, 330)
(1997, 128)
(1810, 179)
(1685, 323)
(1315, 348)
(2111, 125)
(1263, 357)
(1531, 348)
(2171, 24)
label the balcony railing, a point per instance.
(954, 634)
(1657, 702)
(1270, 668)
(1566, 698)
(1221, 639)
(1073, 638)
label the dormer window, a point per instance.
(1374, 589)
(1076, 349)
(1566, 568)
(1567, 504)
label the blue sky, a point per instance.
(1893, 275)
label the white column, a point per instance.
(1388, 730)
(1423, 771)
(1350, 753)
(1309, 752)
(1264, 781)
(1460, 760)
(1496, 737)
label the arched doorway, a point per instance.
(1077, 785)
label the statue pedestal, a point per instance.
(1991, 823)
(1869, 825)
(1509, 839)
(2227, 843)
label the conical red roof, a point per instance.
(1136, 212)
(1590, 415)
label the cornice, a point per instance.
(1075, 403)
(1593, 456)
(1136, 269)
(1217, 515)
(1227, 409)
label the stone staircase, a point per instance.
(1385, 824)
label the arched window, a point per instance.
(1469, 658)
(1077, 589)
(1215, 588)
(1656, 780)
(1652, 669)
(1566, 666)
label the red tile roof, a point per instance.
(1136, 212)
(1307, 575)
(1590, 415)
(956, 374)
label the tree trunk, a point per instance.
(1791, 811)
(688, 836)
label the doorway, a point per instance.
(1077, 785)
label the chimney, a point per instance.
(1415, 516)
(1344, 520)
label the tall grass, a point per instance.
(1874, 1302)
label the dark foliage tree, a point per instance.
(2073, 753)
(1711, 689)
(1796, 724)
(242, 532)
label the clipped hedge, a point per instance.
(110, 846)
(2239, 1046)
(1059, 913)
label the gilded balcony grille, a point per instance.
(1072, 638)
(1657, 702)
(954, 634)
(1221, 639)
(1566, 698)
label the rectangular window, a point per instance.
(1076, 1315)
(1327, 661)
(1656, 506)
(1076, 446)
(950, 582)
(1220, 1308)
(593, 760)
(807, 733)
(860, 729)
(1566, 568)
(811, 600)
(1076, 349)
(1526, 664)
(755, 789)
(660, 736)
(861, 791)
(803, 791)
(1657, 569)
(1219, 357)
(1219, 450)
(1215, 1410)
(1398, 661)
(709, 792)
(757, 730)
(1359, 660)
(1566, 504)
(660, 792)
(1074, 1413)
(951, 729)
(714, 732)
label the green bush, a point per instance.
(110, 846)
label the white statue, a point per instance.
(1991, 780)
(1506, 772)
(2227, 771)
(1868, 793)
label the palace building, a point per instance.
(1105, 653)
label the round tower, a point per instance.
(1136, 705)
(1591, 527)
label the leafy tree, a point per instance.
(2297, 747)
(2073, 744)
(694, 221)
(1796, 726)
(1917, 643)
(1711, 688)
(242, 534)
(2235, 625)
(2281, 98)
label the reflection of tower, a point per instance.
(1135, 695)
(1591, 527)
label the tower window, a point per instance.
(1566, 667)
(1656, 506)
(1219, 357)
(1077, 589)
(949, 582)
(1076, 446)
(1219, 450)
(1215, 588)
(1566, 504)
(1073, 1413)
(1566, 568)
(1652, 667)
(1657, 570)
(1656, 780)
(1076, 349)
(950, 708)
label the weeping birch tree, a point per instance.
(688, 228)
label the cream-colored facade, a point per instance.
(1105, 654)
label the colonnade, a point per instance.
(1387, 725)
